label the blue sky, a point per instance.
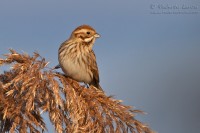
(148, 54)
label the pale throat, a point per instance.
(89, 39)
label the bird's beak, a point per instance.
(96, 35)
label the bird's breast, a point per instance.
(77, 67)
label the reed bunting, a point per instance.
(76, 57)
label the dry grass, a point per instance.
(31, 88)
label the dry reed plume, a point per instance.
(30, 88)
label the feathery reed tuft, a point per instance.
(30, 88)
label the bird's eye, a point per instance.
(88, 32)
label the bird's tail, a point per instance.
(97, 85)
(57, 67)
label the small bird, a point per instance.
(77, 58)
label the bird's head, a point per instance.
(85, 33)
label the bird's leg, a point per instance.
(87, 85)
(61, 74)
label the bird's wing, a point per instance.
(94, 68)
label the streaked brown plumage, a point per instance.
(76, 57)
